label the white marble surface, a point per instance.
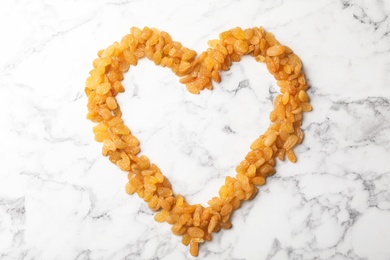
(61, 199)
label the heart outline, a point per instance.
(194, 222)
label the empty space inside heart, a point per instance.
(197, 140)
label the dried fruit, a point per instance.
(195, 223)
(276, 50)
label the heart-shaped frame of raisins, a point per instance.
(196, 223)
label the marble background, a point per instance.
(61, 199)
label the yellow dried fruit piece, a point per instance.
(291, 156)
(268, 152)
(186, 239)
(130, 139)
(240, 47)
(103, 88)
(120, 129)
(226, 209)
(161, 216)
(281, 154)
(287, 127)
(184, 67)
(221, 49)
(196, 218)
(306, 107)
(101, 136)
(157, 57)
(153, 202)
(213, 43)
(223, 192)
(286, 98)
(108, 52)
(130, 57)
(215, 75)
(160, 178)
(184, 219)
(270, 65)
(209, 63)
(195, 232)
(105, 113)
(270, 137)
(248, 33)
(163, 192)
(219, 57)
(290, 142)
(101, 127)
(238, 33)
(188, 55)
(111, 103)
(276, 50)
(257, 144)
(192, 88)
(124, 163)
(144, 163)
(303, 96)
(212, 224)
(92, 82)
(187, 79)
(270, 39)
(109, 145)
(115, 121)
(194, 248)
(153, 40)
(251, 172)
(266, 170)
(258, 163)
(118, 87)
(130, 189)
(258, 181)
(119, 144)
